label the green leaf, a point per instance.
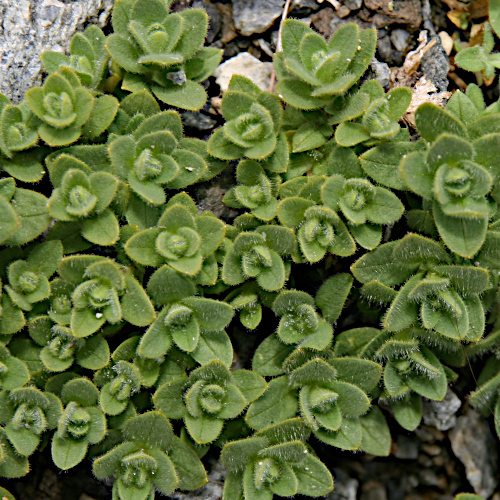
(408, 411)
(331, 296)
(203, 429)
(251, 384)
(348, 437)
(464, 237)
(314, 478)
(94, 355)
(269, 356)
(214, 346)
(188, 467)
(278, 403)
(67, 453)
(432, 121)
(376, 435)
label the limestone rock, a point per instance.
(30, 27)
(476, 447)
(244, 64)
(256, 16)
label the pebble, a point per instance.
(246, 65)
(399, 39)
(256, 16)
(343, 11)
(346, 488)
(381, 72)
(406, 448)
(353, 4)
(441, 414)
(476, 447)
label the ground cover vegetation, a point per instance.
(119, 299)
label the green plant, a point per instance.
(361, 269)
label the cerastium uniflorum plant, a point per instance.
(143, 332)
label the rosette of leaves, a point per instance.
(104, 292)
(14, 372)
(208, 397)
(83, 197)
(256, 190)
(63, 107)
(480, 57)
(118, 382)
(156, 156)
(88, 57)
(27, 413)
(326, 403)
(252, 123)
(437, 295)
(163, 51)
(23, 213)
(379, 121)
(319, 229)
(18, 128)
(28, 280)
(182, 239)
(150, 459)
(274, 461)
(259, 254)
(81, 423)
(456, 174)
(194, 324)
(248, 300)
(61, 348)
(311, 72)
(365, 206)
(300, 323)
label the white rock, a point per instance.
(33, 26)
(244, 64)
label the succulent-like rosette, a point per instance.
(379, 121)
(433, 294)
(61, 348)
(18, 127)
(27, 413)
(256, 191)
(274, 461)
(118, 382)
(28, 280)
(300, 323)
(14, 372)
(253, 121)
(311, 71)
(164, 51)
(456, 173)
(185, 320)
(365, 206)
(324, 401)
(319, 229)
(88, 57)
(181, 239)
(63, 106)
(104, 292)
(150, 459)
(156, 156)
(259, 254)
(83, 196)
(209, 396)
(81, 423)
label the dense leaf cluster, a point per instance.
(360, 264)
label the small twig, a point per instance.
(279, 46)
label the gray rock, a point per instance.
(353, 4)
(476, 447)
(346, 488)
(30, 27)
(215, 19)
(244, 64)
(441, 414)
(256, 16)
(381, 72)
(399, 39)
(198, 120)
